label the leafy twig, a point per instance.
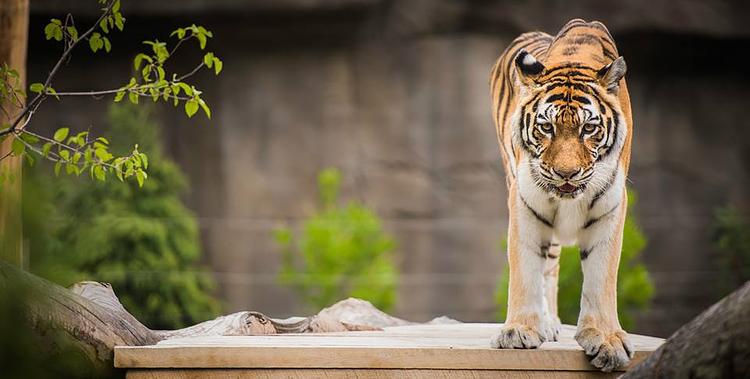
(66, 53)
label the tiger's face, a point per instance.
(569, 122)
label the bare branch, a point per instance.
(191, 73)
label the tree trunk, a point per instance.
(14, 25)
(93, 320)
(716, 344)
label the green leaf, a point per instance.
(116, 6)
(61, 134)
(208, 59)
(205, 107)
(119, 21)
(31, 140)
(99, 173)
(36, 87)
(201, 40)
(140, 175)
(185, 87)
(118, 173)
(65, 154)
(180, 33)
(95, 42)
(218, 65)
(46, 148)
(191, 106)
(73, 32)
(119, 96)
(52, 92)
(58, 34)
(205, 31)
(70, 168)
(58, 165)
(49, 30)
(17, 147)
(140, 57)
(133, 97)
(29, 159)
(103, 154)
(103, 25)
(144, 160)
(107, 45)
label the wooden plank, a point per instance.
(360, 374)
(454, 346)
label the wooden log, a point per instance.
(716, 344)
(95, 321)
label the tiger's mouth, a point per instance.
(568, 189)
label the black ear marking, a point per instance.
(610, 75)
(528, 65)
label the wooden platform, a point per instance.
(453, 350)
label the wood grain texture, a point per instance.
(360, 374)
(454, 347)
(14, 25)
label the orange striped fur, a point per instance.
(563, 119)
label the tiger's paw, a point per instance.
(553, 328)
(517, 336)
(607, 352)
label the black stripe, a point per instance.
(595, 220)
(537, 215)
(578, 86)
(584, 253)
(582, 100)
(555, 97)
(544, 251)
(614, 123)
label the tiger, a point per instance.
(564, 124)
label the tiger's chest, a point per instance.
(566, 220)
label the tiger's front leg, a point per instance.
(599, 331)
(528, 323)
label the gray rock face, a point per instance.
(396, 95)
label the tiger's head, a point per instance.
(570, 120)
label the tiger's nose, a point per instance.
(567, 173)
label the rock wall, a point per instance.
(395, 94)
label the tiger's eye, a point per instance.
(547, 128)
(589, 128)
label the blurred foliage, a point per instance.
(341, 252)
(634, 286)
(143, 241)
(732, 236)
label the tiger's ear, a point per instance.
(528, 67)
(610, 75)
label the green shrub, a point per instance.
(143, 241)
(732, 236)
(341, 252)
(634, 286)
